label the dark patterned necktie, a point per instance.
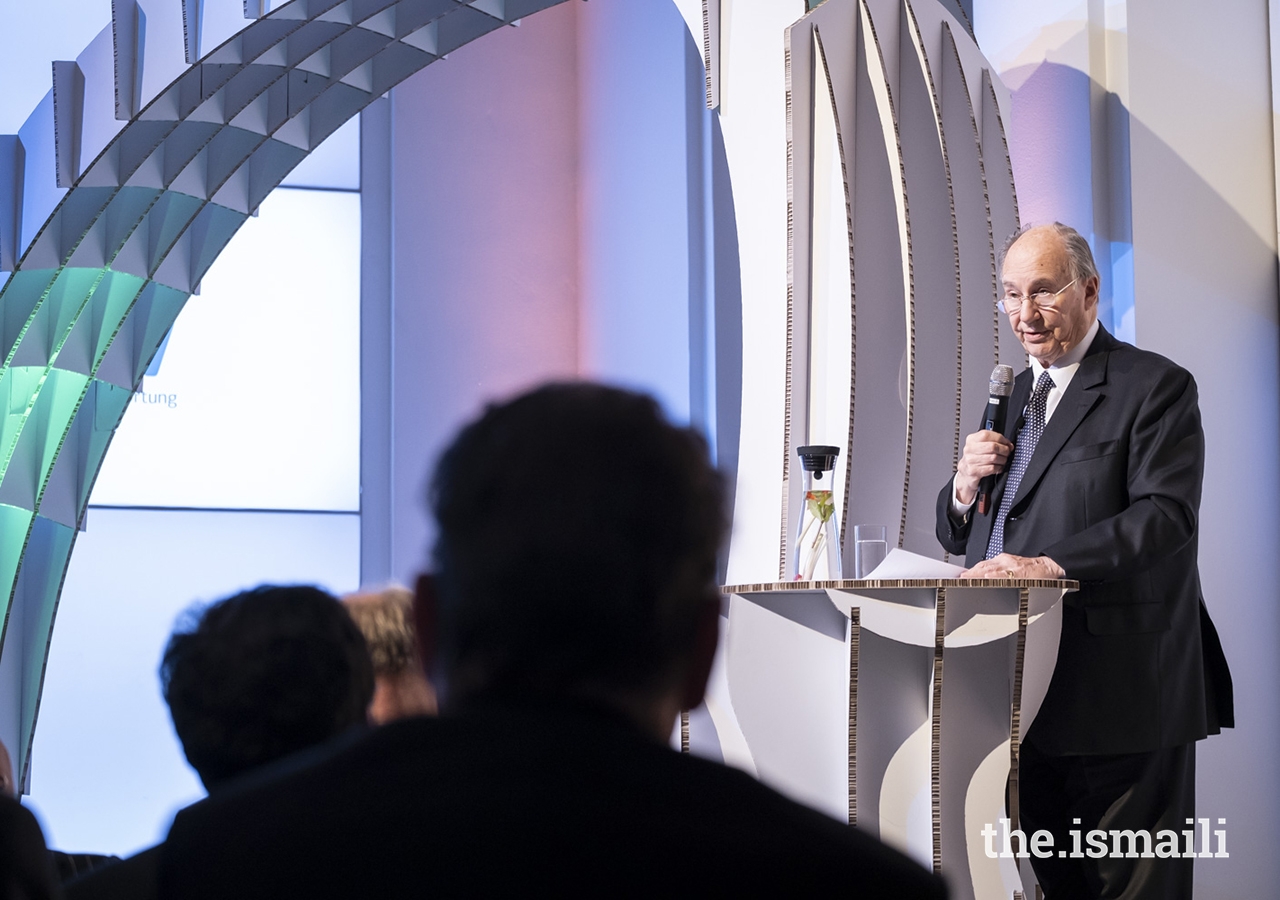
(1028, 437)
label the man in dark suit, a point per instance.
(571, 614)
(1098, 480)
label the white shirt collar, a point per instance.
(1065, 367)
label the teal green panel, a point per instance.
(43, 567)
(163, 304)
(55, 407)
(77, 213)
(127, 210)
(67, 299)
(112, 301)
(167, 221)
(18, 387)
(211, 231)
(18, 302)
(109, 404)
(14, 524)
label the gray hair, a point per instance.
(1079, 256)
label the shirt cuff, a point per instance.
(960, 511)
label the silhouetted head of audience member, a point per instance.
(575, 557)
(400, 687)
(263, 674)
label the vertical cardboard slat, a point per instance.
(68, 120)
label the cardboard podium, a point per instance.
(944, 676)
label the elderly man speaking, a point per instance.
(1099, 481)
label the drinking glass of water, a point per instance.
(869, 548)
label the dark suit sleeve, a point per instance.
(952, 535)
(1155, 510)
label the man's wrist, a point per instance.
(960, 507)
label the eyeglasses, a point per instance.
(1040, 299)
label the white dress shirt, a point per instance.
(1062, 371)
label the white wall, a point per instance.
(543, 196)
(1204, 237)
(482, 208)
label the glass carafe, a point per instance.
(816, 553)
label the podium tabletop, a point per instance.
(856, 584)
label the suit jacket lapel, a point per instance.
(1077, 402)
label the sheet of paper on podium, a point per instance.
(901, 563)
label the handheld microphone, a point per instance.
(997, 413)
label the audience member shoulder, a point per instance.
(26, 869)
(800, 850)
(134, 878)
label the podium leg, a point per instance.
(1015, 719)
(935, 750)
(855, 634)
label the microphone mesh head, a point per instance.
(1002, 381)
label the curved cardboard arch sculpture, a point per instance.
(922, 146)
(100, 284)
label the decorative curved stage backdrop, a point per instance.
(900, 194)
(94, 291)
